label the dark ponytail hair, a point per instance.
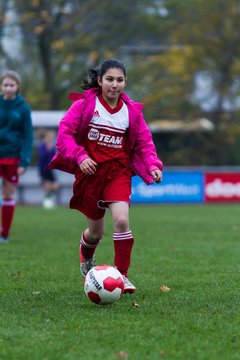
(91, 80)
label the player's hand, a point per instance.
(21, 170)
(88, 166)
(157, 175)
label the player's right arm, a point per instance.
(88, 166)
(67, 133)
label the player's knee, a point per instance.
(7, 195)
(8, 191)
(121, 224)
(96, 235)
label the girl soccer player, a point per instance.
(16, 139)
(104, 140)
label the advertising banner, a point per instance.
(177, 187)
(222, 187)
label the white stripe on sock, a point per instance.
(8, 202)
(87, 245)
(122, 236)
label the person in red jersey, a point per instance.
(16, 140)
(104, 140)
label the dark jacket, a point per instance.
(16, 132)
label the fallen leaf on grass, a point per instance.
(165, 288)
(136, 305)
(36, 292)
(122, 355)
(16, 274)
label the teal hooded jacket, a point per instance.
(16, 131)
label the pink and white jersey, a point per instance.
(105, 135)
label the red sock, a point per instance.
(8, 207)
(123, 243)
(86, 248)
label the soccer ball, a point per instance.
(103, 284)
(48, 204)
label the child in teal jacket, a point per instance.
(16, 141)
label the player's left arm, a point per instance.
(21, 170)
(157, 175)
(26, 140)
(147, 150)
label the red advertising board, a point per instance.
(222, 187)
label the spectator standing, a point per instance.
(16, 141)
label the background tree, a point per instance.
(202, 42)
(183, 60)
(5, 59)
(65, 37)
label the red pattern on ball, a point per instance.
(101, 267)
(94, 297)
(110, 284)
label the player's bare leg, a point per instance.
(90, 239)
(123, 241)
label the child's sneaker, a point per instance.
(128, 286)
(3, 240)
(86, 265)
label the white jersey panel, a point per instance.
(102, 119)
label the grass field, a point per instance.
(193, 250)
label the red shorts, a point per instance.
(93, 193)
(9, 172)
